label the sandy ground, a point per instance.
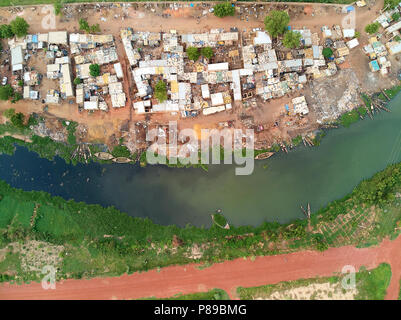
(101, 125)
(242, 272)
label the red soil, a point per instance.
(227, 275)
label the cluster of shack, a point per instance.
(246, 66)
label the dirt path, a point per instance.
(228, 275)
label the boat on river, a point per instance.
(103, 156)
(121, 160)
(264, 155)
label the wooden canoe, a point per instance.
(104, 156)
(121, 160)
(264, 155)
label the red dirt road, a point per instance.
(227, 275)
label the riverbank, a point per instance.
(94, 241)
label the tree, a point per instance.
(16, 97)
(6, 32)
(6, 92)
(291, 39)
(94, 70)
(276, 23)
(161, 91)
(327, 52)
(390, 4)
(95, 28)
(77, 81)
(21, 83)
(193, 53)
(357, 34)
(84, 25)
(207, 52)
(372, 28)
(18, 120)
(223, 9)
(19, 27)
(396, 16)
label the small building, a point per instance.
(118, 69)
(205, 91)
(394, 47)
(58, 37)
(349, 33)
(353, 43)
(374, 66)
(217, 99)
(17, 58)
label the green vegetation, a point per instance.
(297, 140)
(6, 92)
(121, 151)
(161, 91)
(94, 70)
(224, 9)
(395, 16)
(6, 32)
(19, 27)
(276, 23)
(390, 4)
(348, 118)
(58, 6)
(327, 53)
(214, 294)
(372, 28)
(370, 284)
(84, 25)
(77, 81)
(292, 39)
(17, 120)
(207, 52)
(193, 53)
(9, 113)
(357, 34)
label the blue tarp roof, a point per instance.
(375, 65)
(350, 8)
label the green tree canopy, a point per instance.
(94, 70)
(58, 6)
(9, 113)
(18, 120)
(223, 9)
(372, 28)
(161, 91)
(6, 92)
(6, 32)
(276, 23)
(390, 4)
(327, 52)
(19, 27)
(84, 25)
(395, 16)
(292, 39)
(193, 53)
(207, 52)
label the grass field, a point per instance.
(214, 294)
(369, 284)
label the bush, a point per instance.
(84, 25)
(18, 120)
(94, 70)
(207, 52)
(19, 27)
(395, 16)
(223, 10)
(16, 97)
(372, 28)
(77, 81)
(9, 113)
(291, 39)
(327, 52)
(121, 151)
(6, 32)
(276, 23)
(161, 91)
(193, 53)
(6, 92)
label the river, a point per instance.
(179, 196)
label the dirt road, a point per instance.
(228, 275)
